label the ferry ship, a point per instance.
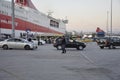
(28, 19)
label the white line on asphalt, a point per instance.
(87, 58)
(11, 73)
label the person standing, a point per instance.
(63, 44)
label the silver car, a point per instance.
(17, 43)
(42, 42)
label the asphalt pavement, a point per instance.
(47, 63)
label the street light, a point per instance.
(107, 25)
(111, 18)
(13, 16)
(0, 28)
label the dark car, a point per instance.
(69, 44)
(110, 42)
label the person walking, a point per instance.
(63, 44)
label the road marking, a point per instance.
(11, 73)
(87, 58)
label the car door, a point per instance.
(116, 41)
(19, 43)
(11, 43)
(71, 44)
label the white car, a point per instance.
(42, 42)
(17, 43)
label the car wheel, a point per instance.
(80, 48)
(5, 47)
(27, 47)
(40, 43)
(101, 47)
(59, 47)
(111, 47)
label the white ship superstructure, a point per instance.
(27, 17)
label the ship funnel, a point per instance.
(27, 3)
(65, 20)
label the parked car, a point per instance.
(69, 44)
(42, 42)
(2, 39)
(110, 42)
(39, 42)
(17, 43)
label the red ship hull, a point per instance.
(6, 23)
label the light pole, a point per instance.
(111, 18)
(0, 28)
(107, 25)
(13, 16)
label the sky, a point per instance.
(83, 15)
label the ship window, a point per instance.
(3, 12)
(21, 1)
(54, 24)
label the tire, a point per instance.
(111, 47)
(80, 48)
(59, 47)
(40, 43)
(5, 47)
(27, 47)
(101, 47)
